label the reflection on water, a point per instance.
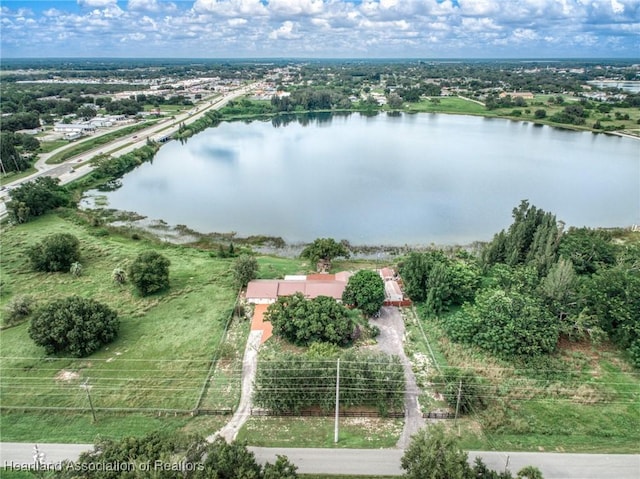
(391, 179)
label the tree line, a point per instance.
(532, 284)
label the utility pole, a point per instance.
(335, 433)
(86, 387)
(455, 421)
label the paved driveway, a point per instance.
(391, 341)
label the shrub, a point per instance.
(18, 309)
(55, 253)
(245, 268)
(76, 269)
(74, 326)
(149, 272)
(119, 275)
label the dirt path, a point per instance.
(390, 341)
(249, 368)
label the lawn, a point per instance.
(449, 105)
(358, 433)
(162, 357)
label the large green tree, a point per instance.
(56, 252)
(75, 326)
(365, 291)
(10, 158)
(149, 272)
(325, 250)
(434, 454)
(35, 198)
(304, 321)
(438, 280)
(532, 238)
(612, 298)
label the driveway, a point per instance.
(391, 341)
(249, 368)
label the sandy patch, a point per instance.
(65, 375)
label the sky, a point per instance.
(320, 28)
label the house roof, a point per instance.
(312, 287)
(262, 288)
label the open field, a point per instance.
(583, 399)
(455, 105)
(49, 146)
(449, 105)
(162, 356)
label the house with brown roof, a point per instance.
(266, 291)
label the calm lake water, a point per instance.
(407, 179)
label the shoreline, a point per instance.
(277, 246)
(270, 245)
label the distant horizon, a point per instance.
(320, 29)
(300, 58)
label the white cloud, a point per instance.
(230, 8)
(236, 22)
(325, 27)
(617, 7)
(144, 5)
(52, 12)
(96, 3)
(285, 32)
(296, 7)
(133, 36)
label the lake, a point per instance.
(402, 179)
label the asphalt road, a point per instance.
(378, 461)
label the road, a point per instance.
(78, 166)
(384, 462)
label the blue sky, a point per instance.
(321, 28)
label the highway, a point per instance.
(384, 462)
(79, 166)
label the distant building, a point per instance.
(73, 127)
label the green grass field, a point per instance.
(162, 355)
(160, 361)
